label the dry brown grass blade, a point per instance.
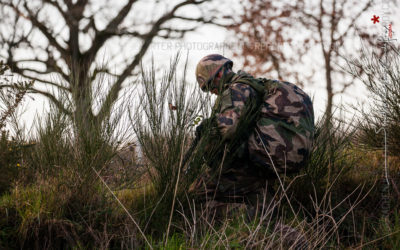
(124, 208)
(175, 190)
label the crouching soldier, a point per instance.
(262, 128)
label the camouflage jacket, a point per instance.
(282, 131)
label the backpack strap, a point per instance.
(257, 85)
(262, 86)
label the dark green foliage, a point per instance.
(331, 154)
(10, 161)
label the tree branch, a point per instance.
(333, 27)
(46, 33)
(113, 94)
(180, 32)
(345, 86)
(349, 27)
(52, 98)
(199, 20)
(43, 81)
(320, 27)
(68, 19)
(44, 93)
(68, 3)
(110, 30)
(16, 69)
(50, 64)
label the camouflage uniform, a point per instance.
(269, 126)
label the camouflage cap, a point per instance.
(207, 67)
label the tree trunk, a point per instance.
(329, 89)
(83, 117)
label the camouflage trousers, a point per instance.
(236, 181)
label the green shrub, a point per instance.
(381, 76)
(167, 111)
(11, 147)
(59, 200)
(331, 157)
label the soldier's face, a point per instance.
(215, 83)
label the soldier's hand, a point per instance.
(200, 129)
(207, 124)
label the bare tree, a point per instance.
(279, 37)
(39, 37)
